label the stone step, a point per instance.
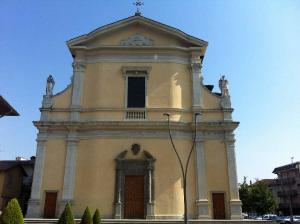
(144, 221)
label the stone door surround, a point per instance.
(140, 167)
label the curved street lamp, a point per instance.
(183, 169)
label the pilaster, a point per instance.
(235, 203)
(70, 169)
(196, 81)
(202, 196)
(35, 203)
(118, 203)
(79, 67)
(150, 203)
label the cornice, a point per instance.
(135, 125)
(151, 109)
(121, 47)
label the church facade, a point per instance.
(103, 141)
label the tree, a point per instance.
(86, 217)
(245, 196)
(262, 199)
(257, 198)
(96, 217)
(66, 216)
(12, 214)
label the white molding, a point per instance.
(149, 109)
(139, 58)
(208, 127)
(145, 134)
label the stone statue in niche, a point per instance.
(135, 148)
(137, 40)
(50, 86)
(223, 84)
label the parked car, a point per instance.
(269, 217)
(258, 218)
(287, 219)
(280, 219)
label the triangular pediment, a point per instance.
(136, 31)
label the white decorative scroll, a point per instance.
(137, 40)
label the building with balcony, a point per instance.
(103, 141)
(287, 186)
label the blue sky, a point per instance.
(254, 43)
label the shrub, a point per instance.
(12, 214)
(86, 217)
(96, 217)
(66, 216)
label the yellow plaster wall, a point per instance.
(59, 116)
(175, 116)
(216, 167)
(54, 165)
(63, 99)
(115, 37)
(169, 85)
(95, 177)
(212, 116)
(210, 101)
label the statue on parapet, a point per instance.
(223, 84)
(225, 102)
(50, 86)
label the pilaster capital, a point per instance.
(196, 66)
(229, 138)
(200, 139)
(42, 137)
(72, 137)
(79, 66)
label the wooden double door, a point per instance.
(134, 200)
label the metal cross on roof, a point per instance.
(138, 5)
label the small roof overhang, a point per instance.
(6, 109)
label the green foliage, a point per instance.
(257, 198)
(245, 196)
(262, 199)
(96, 217)
(12, 214)
(66, 216)
(86, 217)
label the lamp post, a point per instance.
(183, 168)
